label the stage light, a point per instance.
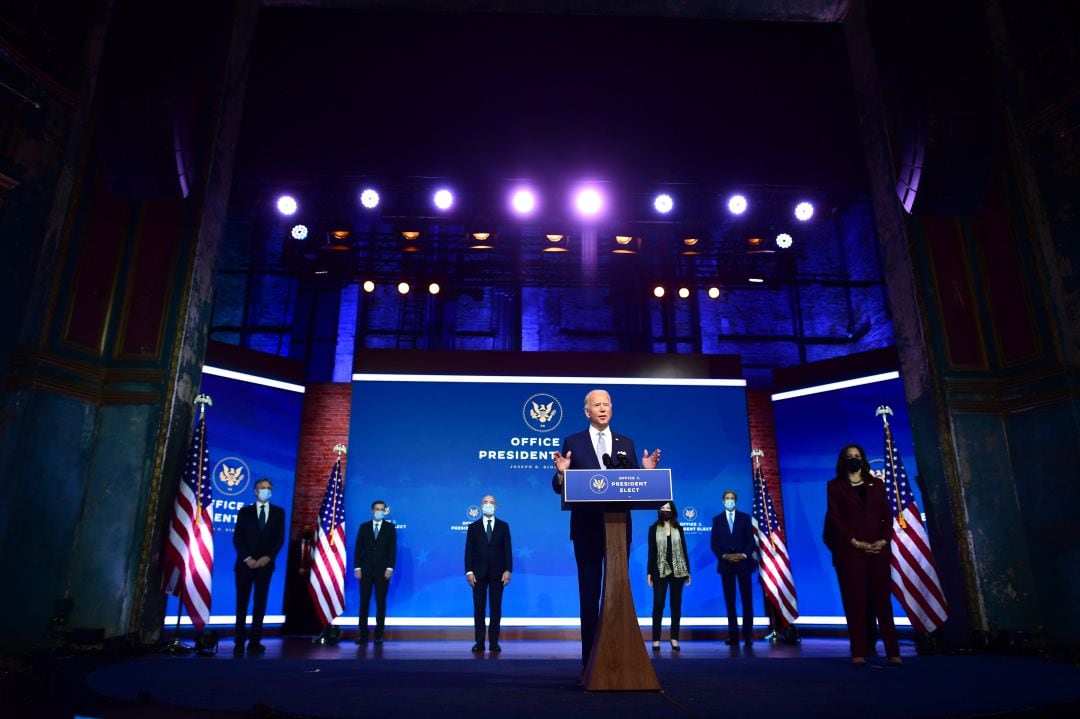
(403, 288)
(804, 211)
(714, 293)
(737, 204)
(369, 198)
(684, 292)
(663, 204)
(783, 240)
(411, 235)
(589, 202)
(755, 280)
(481, 241)
(443, 199)
(523, 202)
(558, 243)
(692, 246)
(339, 234)
(625, 245)
(286, 205)
(433, 288)
(299, 232)
(753, 241)
(658, 292)
(369, 286)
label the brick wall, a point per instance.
(763, 436)
(324, 422)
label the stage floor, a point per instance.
(541, 678)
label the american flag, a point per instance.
(914, 576)
(327, 583)
(775, 564)
(189, 553)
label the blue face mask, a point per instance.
(378, 514)
(263, 495)
(489, 509)
(729, 504)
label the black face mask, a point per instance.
(665, 516)
(853, 464)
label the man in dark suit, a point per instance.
(489, 561)
(733, 544)
(258, 537)
(375, 554)
(587, 450)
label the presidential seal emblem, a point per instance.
(231, 476)
(598, 484)
(689, 514)
(473, 513)
(542, 412)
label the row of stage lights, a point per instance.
(588, 201)
(659, 291)
(624, 244)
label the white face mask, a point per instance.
(729, 504)
(489, 509)
(378, 514)
(263, 495)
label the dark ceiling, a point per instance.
(633, 100)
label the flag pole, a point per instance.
(756, 456)
(884, 411)
(340, 449)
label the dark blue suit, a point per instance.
(739, 540)
(255, 541)
(587, 528)
(487, 560)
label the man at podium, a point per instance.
(598, 447)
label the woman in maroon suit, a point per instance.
(858, 525)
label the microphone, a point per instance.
(607, 461)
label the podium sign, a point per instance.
(617, 488)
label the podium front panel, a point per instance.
(617, 488)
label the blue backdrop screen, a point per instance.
(810, 430)
(252, 431)
(432, 447)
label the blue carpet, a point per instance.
(938, 686)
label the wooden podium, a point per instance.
(619, 661)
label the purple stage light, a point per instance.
(589, 202)
(523, 202)
(804, 211)
(286, 205)
(663, 204)
(369, 198)
(443, 199)
(737, 204)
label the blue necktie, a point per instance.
(731, 523)
(377, 524)
(489, 531)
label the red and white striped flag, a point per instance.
(189, 552)
(327, 583)
(914, 575)
(774, 563)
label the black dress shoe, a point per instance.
(477, 648)
(238, 649)
(675, 647)
(378, 640)
(256, 648)
(362, 639)
(748, 643)
(495, 648)
(732, 642)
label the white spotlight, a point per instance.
(663, 204)
(684, 292)
(783, 240)
(299, 232)
(369, 286)
(737, 204)
(443, 199)
(804, 211)
(403, 288)
(434, 288)
(369, 198)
